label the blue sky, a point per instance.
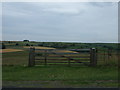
(50, 21)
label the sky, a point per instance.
(62, 22)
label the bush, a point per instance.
(17, 44)
(3, 46)
(27, 45)
(40, 44)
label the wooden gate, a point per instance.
(60, 56)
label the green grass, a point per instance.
(15, 58)
(59, 73)
(64, 76)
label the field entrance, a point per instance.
(62, 57)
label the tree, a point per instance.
(25, 40)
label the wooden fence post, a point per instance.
(31, 57)
(68, 61)
(93, 57)
(108, 56)
(104, 56)
(118, 56)
(45, 57)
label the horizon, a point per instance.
(56, 41)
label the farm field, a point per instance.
(16, 72)
(10, 50)
(38, 47)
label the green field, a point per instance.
(16, 72)
(80, 76)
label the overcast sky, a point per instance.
(80, 21)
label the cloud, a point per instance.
(86, 22)
(0, 21)
(101, 4)
(62, 10)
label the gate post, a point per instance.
(93, 57)
(31, 61)
(45, 57)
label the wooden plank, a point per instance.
(61, 59)
(58, 53)
(64, 49)
(64, 62)
(80, 57)
(107, 54)
(65, 54)
(54, 62)
(72, 56)
(64, 57)
(51, 59)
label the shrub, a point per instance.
(3, 46)
(27, 44)
(17, 44)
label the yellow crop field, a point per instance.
(65, 51)
(9, 50)
(59, 51)
(38, 47)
